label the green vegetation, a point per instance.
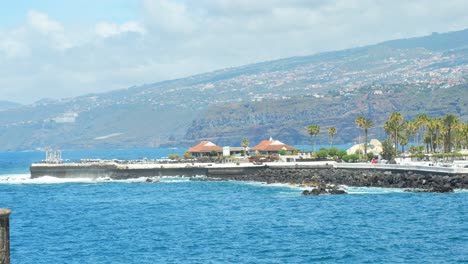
(332, 132)
(351, 158)
(285, 119)
(440, 135)
(245, 144)
(388, 152)
(365, 124)
(443, 137)
(174, 157)
(393, 128)
(188, 155)
(313, 131)
(331, 153)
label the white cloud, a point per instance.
(13, 47)
(43, 23)
(169, 16)
(175, 38)
(105, 29)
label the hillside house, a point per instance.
(205, 148)
(271, 146)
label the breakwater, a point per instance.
(312, 173)
(357, 177)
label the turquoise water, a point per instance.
(179, 221)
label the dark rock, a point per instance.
(324, 189)
(442, 189)
(436, 189)
(333, 191)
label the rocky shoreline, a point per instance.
(322, 178)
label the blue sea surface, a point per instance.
(182, 221)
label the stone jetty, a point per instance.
(305, 173)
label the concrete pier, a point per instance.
(126, 171)
(5, 236)
(355, 174)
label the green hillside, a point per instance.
(274, 98)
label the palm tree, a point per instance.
(365, 124)
(313, 131)
(332, 132)
(421, 121)
(431, 128)
(438, 130)
(464, 135)
(411, 130)
(458, 130)
(394, 126)
(449, 121)
(245, 144)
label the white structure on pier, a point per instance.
(53, 156)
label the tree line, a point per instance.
(445, 134)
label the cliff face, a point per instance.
(287, 119)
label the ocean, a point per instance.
(183, 221)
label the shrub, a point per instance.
(354, 157)
(322, 153)
(350, 158)
(345, 157)
(388, 152)
(173, 157)
(333, 152)
(188, 155)
(341, 153)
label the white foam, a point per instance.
(26, 179)
(373, 190)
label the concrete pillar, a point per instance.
(5, 236)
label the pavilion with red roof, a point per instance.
(205, 148)
(271, 147)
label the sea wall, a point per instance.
(296, 174)
(110, 171)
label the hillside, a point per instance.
(287, 119)
(4, 105)
(274, 98)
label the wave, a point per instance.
(26, 179)
(348, 189)
(374, 190)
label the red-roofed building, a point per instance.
(271, 147)
(205, 148)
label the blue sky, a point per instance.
(71, 12)
(60, 49)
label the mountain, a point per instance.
(8, 105)
(274, 98)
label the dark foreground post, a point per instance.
(5, 236)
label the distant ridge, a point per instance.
(435, 41)
(274, 98)
(7, 105)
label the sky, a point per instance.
(60, 49)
